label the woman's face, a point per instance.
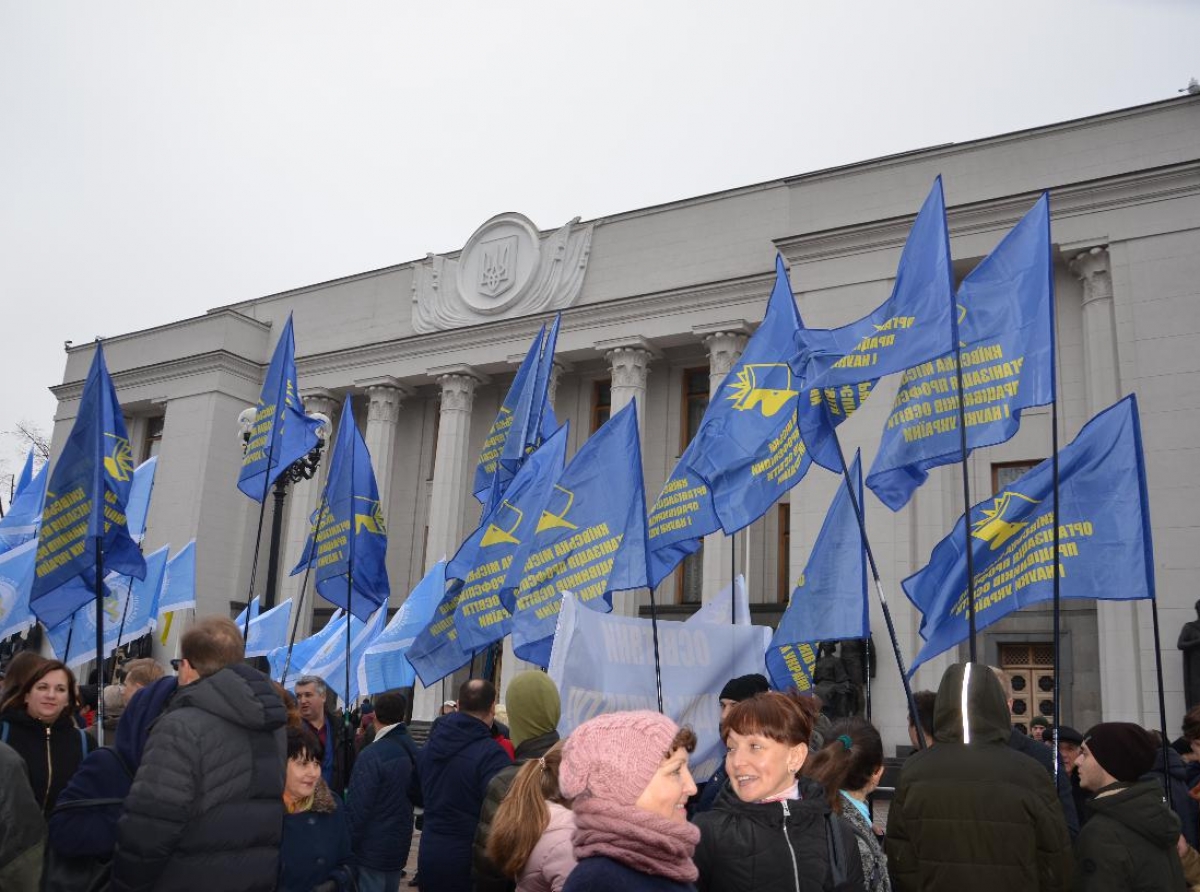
(48, 697)
(667, 793)
(302, 774)
(760, 767)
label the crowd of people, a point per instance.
(220, 779)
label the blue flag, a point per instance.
(437, 651)
(140, 611)
(384, 665)
(16, 579)
(1006, 325)
(911, 326)
(25, 476)
(85, 504)
(329, 662)
(527, 430)
(1105, 550)
(20, 524)
(138, 507)
(303, 651)
(590, 539)
(830, 599)
(282, 433)
(348, 539)
(488, 469)
(748, 450)
(681, 517)
(179, 581)
(253, 607)
(485, 562)
(74, 639)
(269, 631)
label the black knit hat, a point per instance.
(744, 687)
(1123, 749)
(1067, 734)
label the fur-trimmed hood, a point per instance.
(323, 801)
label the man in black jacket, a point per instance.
(206, 807)
(312, 695)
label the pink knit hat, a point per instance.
(613, 757)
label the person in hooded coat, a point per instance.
(533, 709)
(969, 812)
(22, 829)
(455, 767)
(1181, 803)
(1130, 842)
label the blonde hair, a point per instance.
(523, 815)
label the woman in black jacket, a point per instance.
(770, 830)
(36, 722)
(315, 855)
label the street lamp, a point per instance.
(302, 468)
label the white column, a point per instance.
(1118, 622)
(629, 361)
(451, 478)
(385, 396)
(302, 503)
(724, 350)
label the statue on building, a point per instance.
(832, 683)
(1189, 643)
(855, 653)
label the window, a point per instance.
(601, 403)
(154, 434)
(783, 553)
(1005, 473)
(689, 578)
(1030, 667)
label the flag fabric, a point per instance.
(829, 602)
(384, 665)
(348, 537)
(85, 504)
(303, 650)
(485, 562)
(682, 516)
(437, 650)
(24, 515)
(730, 607)
(25, 476)
(269, 631)
(140, 612)
(1005, 327)
(488, 469)
(527, 432)
(16, 579)
(329, 662)
(748, 450)
(253, 607)
(590, 539)
(179, 581)
(281, 433)
(605, 663)
(138, 507)
(1105, 550)
(912, 325)
(74, 639)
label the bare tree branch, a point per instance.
(30, 435)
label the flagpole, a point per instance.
(966, 477)
(887, 612)
(121, 627)
(347, 734)
(100, 639)
(321, 512)
(1057, 585)
(867, 675)
(1162, 701)
(657, 660)
(262, 510)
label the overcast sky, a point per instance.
(160, 159)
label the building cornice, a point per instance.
(173, 370)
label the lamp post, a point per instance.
(301, 469)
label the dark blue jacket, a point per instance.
(604, 875)
(1181, 803)
(1044, 755)
(316, 846)
(455, 767)
(105, 774)
(378, 808)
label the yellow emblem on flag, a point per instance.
(763, 386)
(996, 528)
(119, 461)
(496, 535)
(371, 521)
(551, 521)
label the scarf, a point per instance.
(636, 838)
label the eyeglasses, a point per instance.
(176, 663)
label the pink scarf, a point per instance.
(636, 838)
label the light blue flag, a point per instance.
(85, 504)
(681, 517)
(829, 602)
(269, 631)
(74, 639)
(253, 607)
(488, 469)
(437, 651)
(303, 650)
(1006, 325)
(141, 607)
(16, 579)
(590, 538)
(138, 508)
(731, 606)
(282, 433)
(385, 665)
(179, 581)
(748, 450)
(348, 529)
(1105, 549)
(485, 562)
(25, 476)
(329, 662)
(910, 327)
(20, 524)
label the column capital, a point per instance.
(1093, 269)
(384, 402)
(630, 366)
(628, 343)
(318, 399)
(724, 349)
(458, 391)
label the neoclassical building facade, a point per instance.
(656, 305)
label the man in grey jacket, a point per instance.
(206, 807)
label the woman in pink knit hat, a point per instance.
(627, 774)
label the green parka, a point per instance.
(971, 813)
(1129, 843)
